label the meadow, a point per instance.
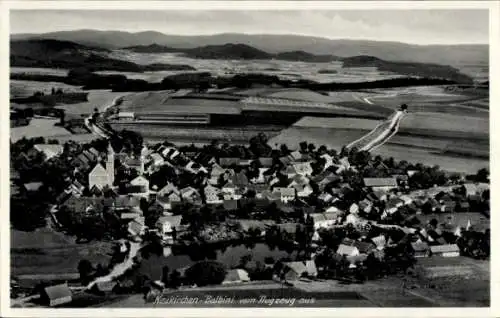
(45, 251)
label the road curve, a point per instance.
(380, 134)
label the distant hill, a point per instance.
(306, 57)
(69, 55)
(230, 51)
(428, 70)
(393, 51)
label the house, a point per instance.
(157, 160)
(212, 194)
(33, 186)
(286, 194)
(379, 241)
(381, 184)
(167, 190)
(303, 168)
(266, 162)
(230, 205)
(393, 205)
(228, 162)
(94, 151)
(295, 270)
(167, 224)
(324, 220)
(296, 155)
(49, 150)
(236, 276)
(104, 286)
(135, 163)
(229, 187)
(188, 193)
(421, 249)
(56, 295)
(136, 227)
(98, 177)
(325, 197)
(347, 250)
(290, 171)
(240, 180)
(216, 171)
(195, 168)
(362, 247)
(303, 190)
(365, 206)
(448, 250)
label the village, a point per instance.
(340, 215)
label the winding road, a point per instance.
(380, 134)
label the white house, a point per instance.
(347, 250)
(447, 250)
(49, 150)
(286, 194)
(303, 168)
(166, 224)
(212, 194)
(381, 184)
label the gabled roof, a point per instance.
(237, 275)
(380, 182)
(58, 291)
(174, 220)
(285, 191)
(98, 171)
(226, 162)
(240, 179)
(33, 186)
(139, 180)
(266, 161)
(444, 248)
(230, 204)
(94, 151)
(346, 249)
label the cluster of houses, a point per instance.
(227, 182)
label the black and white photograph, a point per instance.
(212, 157)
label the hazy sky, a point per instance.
(411, 26)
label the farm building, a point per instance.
(448, 250)
(236, 276)
(381, 184)
(56, 295)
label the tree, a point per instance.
(175, 279)
(206, 273)
(85, 269)
(482, 175)
(303, 146)
(165, 275)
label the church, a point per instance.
(102, 176)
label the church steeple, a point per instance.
(110, 165)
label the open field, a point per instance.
(446, 125)
(196, 134)
(19, 88)
(447, 162)
(38, 71)
(333, 138)
(47, 252)
(39, 127)
(338, 123)
(96, 99)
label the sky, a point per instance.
(427, 26)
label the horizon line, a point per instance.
(255, 34)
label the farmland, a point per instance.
(39, 128)
(45, 251)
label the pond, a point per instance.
(152, 264)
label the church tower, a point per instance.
(110, 165)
